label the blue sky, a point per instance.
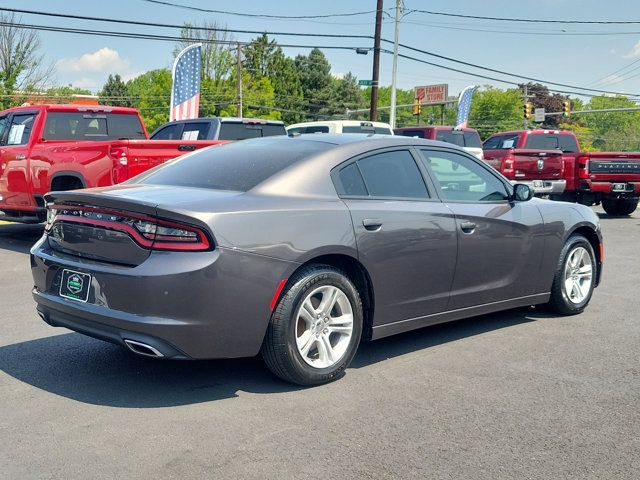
(578, 60)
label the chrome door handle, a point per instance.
(372, 224)
(468, 227)
(20, 156)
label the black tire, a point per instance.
(559, 301)
(627, 207)
(279, 349)
(610, 206)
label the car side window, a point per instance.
(350, 181)
(461, 179)
(195, 131)
(20, 130)
(170, 132)
(392, 174)
(4, 124)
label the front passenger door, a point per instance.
(500, 242)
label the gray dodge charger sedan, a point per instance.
(300, 247)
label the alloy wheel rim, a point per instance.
(324, 326)
(578, 275)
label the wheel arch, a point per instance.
(58, 176)
(357, 273)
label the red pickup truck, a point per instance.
(65, 147)
(550, 161)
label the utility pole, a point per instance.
(239, 80)
(392, 114)
(373, 110)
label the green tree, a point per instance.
(152, 91)
(542, 98)
(22, 68)
(64, 94)
(115, 92)
(612, 131)
(316, 81)
(495, 110)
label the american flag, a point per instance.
(185, 92)
(464, 106)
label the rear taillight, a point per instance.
(148, 232)
(508, 165)
(120, 164)
(583, 167)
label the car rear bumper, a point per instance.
(617, 188)
(544, 187)
(183, 304)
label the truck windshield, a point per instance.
(92, 126)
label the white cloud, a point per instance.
(103, 60)
(130, 76)
(635, 51)
(85, 82)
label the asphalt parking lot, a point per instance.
(521, 394)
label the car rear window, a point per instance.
(242, 131)
(551, 141)
(499, 142)
(92, 126)
(365, 129)
(310, 129)
(234, 166)
(411, 133)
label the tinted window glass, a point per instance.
(501, 141)
(392, 174)
(240, 131)
(170, 132)
(20, 130)
(461, 178)
(195, 131)
(234, 166)
(411, 133)
(4, 127)
(550, 141)
(315, 129)
(351, 182)
(365, 129)
(92, 126)
(271, 130)
(449, 136)
(472, 139)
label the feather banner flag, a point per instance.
(185, 88)
(464, 106)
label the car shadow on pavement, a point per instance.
(19, 237)
(95, 372)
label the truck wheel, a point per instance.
(627, 207)
(610, 206)
(315, 329)
(575, 277)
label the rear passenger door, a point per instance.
(406, 238)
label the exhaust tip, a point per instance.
(143, 349)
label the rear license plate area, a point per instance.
(75, 285)
(618, 187)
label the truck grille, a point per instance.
(614, 167)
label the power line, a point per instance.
(168, 25)
(530, 20)
(259, 15)
(502, 72)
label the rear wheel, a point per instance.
(619, 206)
(315, 329)
(574, 279)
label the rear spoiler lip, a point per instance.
(101, 200)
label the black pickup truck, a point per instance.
(218, 128)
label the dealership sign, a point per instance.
(432, 94)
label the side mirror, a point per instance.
(522, 192)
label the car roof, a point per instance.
(73, 107)
(339, 122)
(229, 120)
(434, 127)
(536, 131)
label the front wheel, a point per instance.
(574, 279)
(315, 330)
